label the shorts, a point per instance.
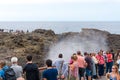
(88, 72)
(81, 72)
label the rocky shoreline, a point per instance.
(38, 42)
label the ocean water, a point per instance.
(60, 27)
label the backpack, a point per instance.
(10, 74)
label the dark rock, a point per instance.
(38, 42)
(1, 42)
(45, 32)
(3, 49)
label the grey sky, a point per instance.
(59, 10)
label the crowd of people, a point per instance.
(89, 66)
(14, 31)
(16, 72)
(86, 66)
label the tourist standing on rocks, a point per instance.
(89, 66)
(113, 54)
(117, 54)
(71, 61)
(101, 63)
(96, 64)
(109, 62)
(74, 68)
(114, 75)
(94, 61)
(59, 66)
(2, 73)
(5, 67)
(31, 69)
(118, 62)
(50, 73)
(82, 64)
(17, 69)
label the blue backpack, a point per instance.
(9, 74)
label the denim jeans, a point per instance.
(101, 69)
(109, 66)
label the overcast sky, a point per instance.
(59, 10)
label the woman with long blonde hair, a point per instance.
(114, 75)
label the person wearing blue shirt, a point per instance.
(50, 73)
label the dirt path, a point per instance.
(103, 78)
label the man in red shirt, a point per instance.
(101, 62)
